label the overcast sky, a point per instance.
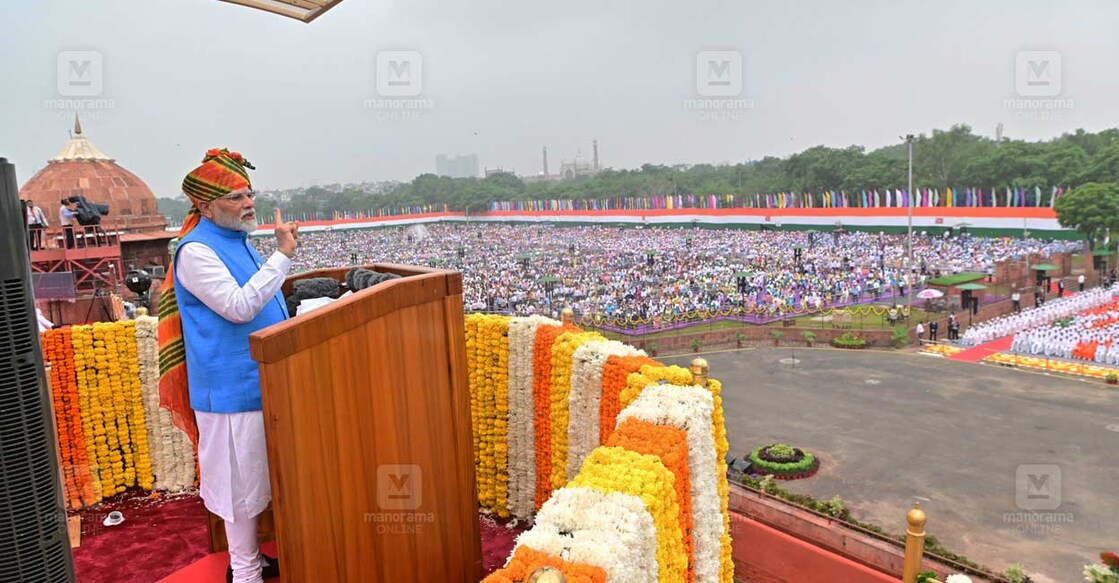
(501, 79)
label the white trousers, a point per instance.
(234, 484)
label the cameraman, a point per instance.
(89, 215)
(67, 214)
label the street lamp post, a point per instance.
(909, 251)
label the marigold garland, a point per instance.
(139, 458)
(488, 361)
(539, 391)
(542, 405)
(107, 377)
(73, 455)
(719, 425)
(650, 374)
(563, 353)
(93, 423)
(614, 378)
(525, 560)
(615, 469)
(670, 444)
(112, 399)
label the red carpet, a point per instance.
(977, 353)
(164, 539)
(212, 568)
(158, 537)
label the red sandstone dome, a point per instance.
(82, 169)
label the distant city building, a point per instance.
(374, 187)
(498, 171)
(457, 166)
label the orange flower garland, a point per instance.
(78, 487)
(525, 560)
(541, 402)
(614, 377)
(670, 444)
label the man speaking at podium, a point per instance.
(218, 291)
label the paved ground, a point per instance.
(894, 427)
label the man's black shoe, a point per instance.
(271, 569)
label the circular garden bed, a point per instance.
(849, 341)
(783, 462)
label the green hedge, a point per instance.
(835, 507)
(957, 279)
(803, 465)
(848, 340)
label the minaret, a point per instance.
(595, 143)
(77, 125)
(545, 161)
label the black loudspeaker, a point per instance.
(34, 544)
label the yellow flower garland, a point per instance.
(488, 361)
(648, 375)
(127, 352)
(721, 448)
(615, 469)
(81, 339)
(113, 419)
(563, 352)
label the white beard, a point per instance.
(233, 222)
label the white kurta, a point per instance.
(233, 461)
(232, 457)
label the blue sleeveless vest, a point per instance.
(222, 377)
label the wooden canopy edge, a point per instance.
(304, 11)
(415, 286)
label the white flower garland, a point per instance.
(586, 397)
(520, 437)
(613, 531)
(690, 409)
(170, 449)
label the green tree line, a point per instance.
(955, 157)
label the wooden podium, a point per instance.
(367, 418)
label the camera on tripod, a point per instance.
(89, 213)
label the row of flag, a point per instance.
(925, 197)
(900, 198)
(392, 211)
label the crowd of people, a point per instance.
(1045, 315)
(658, 272)
(1090, 334)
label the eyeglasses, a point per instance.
(240, 196)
